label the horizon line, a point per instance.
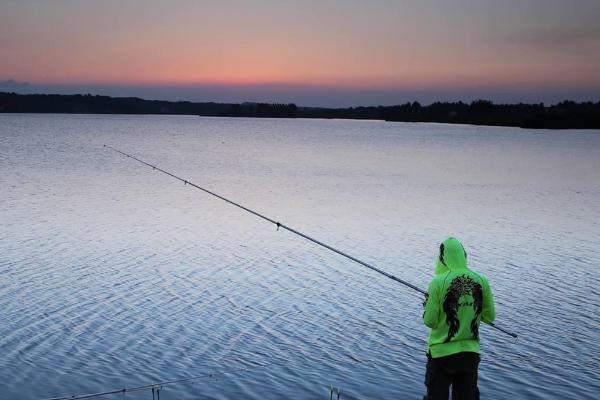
(251, 102)
(313, 95)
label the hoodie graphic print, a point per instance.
(458, 299)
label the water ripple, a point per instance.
(112, 275)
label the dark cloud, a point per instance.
(573, 37)
(10, 85)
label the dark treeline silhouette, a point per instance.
(567, 114)
(263, 110)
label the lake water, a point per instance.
(114, 275)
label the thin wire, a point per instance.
(292, 230)
(152, 386)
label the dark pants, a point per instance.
(458, 370)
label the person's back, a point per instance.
(458, 299)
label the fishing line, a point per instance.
(156, 387)
(292, 230)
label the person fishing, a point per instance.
(303, 235)
(458, 299)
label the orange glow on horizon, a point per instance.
(414, 82)
(370, 45)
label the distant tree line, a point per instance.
(567, 114)
(261, 110)
(564, 115)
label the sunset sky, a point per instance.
(310, 52)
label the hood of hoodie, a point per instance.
(452, 256)
(439, 267)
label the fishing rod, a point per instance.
(156, 387)
(294, 231)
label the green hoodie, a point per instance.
(458, 299)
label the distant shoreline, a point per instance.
(564, 115)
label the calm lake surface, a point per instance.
(113, 275)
